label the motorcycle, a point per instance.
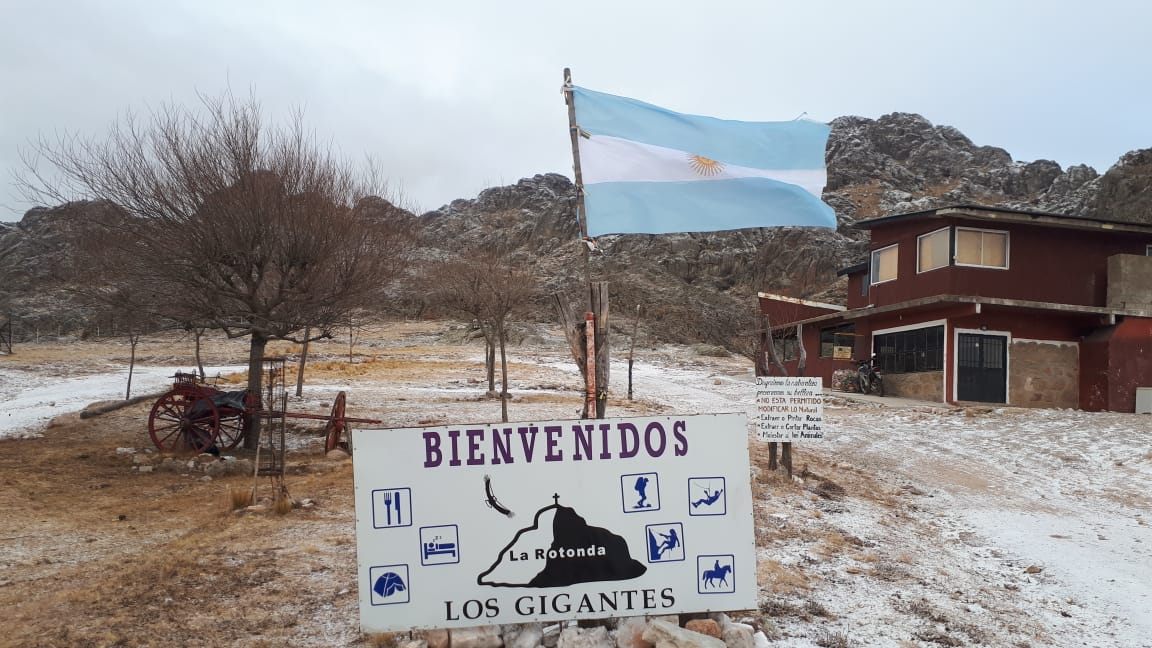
(868, 378)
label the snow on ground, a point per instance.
(30, 398)
(976, 526)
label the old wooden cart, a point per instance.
(195, 416)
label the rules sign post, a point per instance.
(789, 408)
(515, 522)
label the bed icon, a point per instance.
(439, 545)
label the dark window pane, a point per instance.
(910, 351)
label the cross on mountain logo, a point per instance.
(560, 549)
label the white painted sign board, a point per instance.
(789, 408)
(515, 522)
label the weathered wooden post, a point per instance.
(632, 349)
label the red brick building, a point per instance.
(979, 304)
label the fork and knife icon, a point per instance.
(392, 499)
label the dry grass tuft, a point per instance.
(776, 577)
(831, 543)
(833, 639)
(239, 498)
(817, 609)
(283, 504)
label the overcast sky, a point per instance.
(453, 97)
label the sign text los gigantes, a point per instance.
(515, 522)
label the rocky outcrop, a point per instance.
(692, 286)
(1125, 192)
(901, 162)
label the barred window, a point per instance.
(910, 351)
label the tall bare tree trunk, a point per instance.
(257, 342)
(133, 339)
(197, 333)
(490, 362)
(503, 375)
(801, 367)
(303, 361)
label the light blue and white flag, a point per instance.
(650, 170)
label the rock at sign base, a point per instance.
(437, 638)
(667, 635)
(704, 626)
(576, 637)
(478, 637)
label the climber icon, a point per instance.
(706, 496)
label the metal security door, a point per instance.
(982, 368)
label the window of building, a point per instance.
(838, 342)
(910, 351)
(983, 248)
(787, 348)
(1148, 251)
(884, 264)
(932, 250)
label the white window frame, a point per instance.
(1007, 248)
(1148, 250)
(873, 265)
(947, 255)
(948, 345)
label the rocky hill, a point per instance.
(692, 286)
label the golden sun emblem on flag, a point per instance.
(705, 166)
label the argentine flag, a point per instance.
(653, 171)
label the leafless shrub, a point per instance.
(224, 221)
(779, 607)
(887, 570)
(833, 639)
(816, 608)
(975, 633)
(933, 636)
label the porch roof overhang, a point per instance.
(937, 301)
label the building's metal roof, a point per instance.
(1004, 214)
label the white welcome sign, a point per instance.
(514, 522)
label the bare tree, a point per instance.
(490, 286)
(253, 229)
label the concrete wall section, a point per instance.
(922, 385)
(1043, 374)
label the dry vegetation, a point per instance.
(95, 552)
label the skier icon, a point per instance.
(641, 488)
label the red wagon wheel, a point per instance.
(232, 426)
(336, 430)
(183, 422)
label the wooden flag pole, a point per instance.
(590, 365)
(574, 132)
(595, 363)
